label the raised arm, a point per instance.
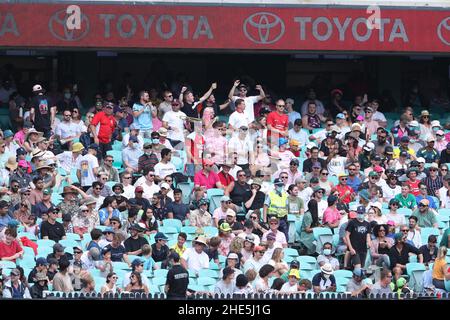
(233, 88)
(208, 93)
(262, 95)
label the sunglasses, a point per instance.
(169, 96)
(241, 175)
(98, 188)
(127, 177)
(284, 178)
(115, 278)
(281, 105)
(324, 173)
(168, 181)
(433, 170)
(343, 179)
(404, 230)
(77, 252)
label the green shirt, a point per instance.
(408, 202)
(425, 220)
(444, 240)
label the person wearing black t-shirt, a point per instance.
(189, 106)
(357, 234)
(160, 250)
(241, 187)
(42, 111)
(177, 279)
(254, 199)
(133, 245)
(52, 229)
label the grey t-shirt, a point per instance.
(378, 289)
(223, 288)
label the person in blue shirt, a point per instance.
(143, 112)
(424, 195)
(4, 217)
(353, 180)
(108, 210)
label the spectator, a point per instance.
(327, 256)
(383, 286)
(160, 250)
(426, 218)
(380, 247)
(110, 287)
(62, 281)
(227, 284)
(133, 245)
(177, 279)
(324, 280)
(136, 284)
(137, 267)
(358, 238)
(52, 229)
(10, 249)
(200, 217)
(399, 254)
(356, 285)
(14, 288)
(310, 221)
(429, 251)
(440, 269)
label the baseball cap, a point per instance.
(369, 146)
(404, 139)
(134, 126)
(421, 160)
(373, 174)
(165, 185)
(340, 116)
(233, 255)
(413, 123)
(440, 133)
(361, 209)
(41, 261)
(57, 247)
(314, 180)
(424, 202)
(317, 165)
(93, 146)
(278, 181)
(271, 236)
(358, 272)
(403, 154)
(392, 201)
(136, 262)
(139, 189)
(161, 236)
(230, 212)
(225, 199)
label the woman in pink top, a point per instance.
(331, 215)
(226, 236)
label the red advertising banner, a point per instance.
(225, 27)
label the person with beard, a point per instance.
(381, 141)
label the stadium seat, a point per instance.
(343, 274)
(186, 188)
(214, 203)
(28, 251)
(196, 287)
(444, 212)
(415, 272)
(148, 273)
(7, 264)
(119, 265)
(44, 252)
(178, 163)
(214, 192)
(222, 259)
(28, 235)
(45, 243)
(159, 281)
(210, 231)
(206, 281)
(73, 236)
(95, 273)
(203, 273)
(307, 260)
(213, 266)
(168, 231)
(189, 229)
(174, 223)
(404, 211)
(68, 243)
(160, 273)
(26, 262)
(322, 235)
(290, 252)
(426, 232)
(154, 289)
(131, 257)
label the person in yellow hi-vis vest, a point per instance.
(276, 204)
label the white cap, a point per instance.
(435, 123)
(165, 185)
(310, 145)
(431, 138)
(420, 160)
(369, 146)
(376, 204)
(37, 87)
(356, 125)
(413, 123)
(335, 128)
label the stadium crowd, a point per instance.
(173, 192)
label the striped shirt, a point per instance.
(433, 185)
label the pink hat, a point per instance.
(208, 162)
(391, 223)
(378, 169)
(23, 163)
(359, 118)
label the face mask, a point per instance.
(435, 129)
(412, 140)
(67, 95)
(148, 153)
(361, 216)
(327, 252)
(135, 145)
(280, 189)
(326, 276)
(155, 141)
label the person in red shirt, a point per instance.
(277, 123)
(346, 193)
(206, 177)
(226, 178)
(106, 124)
(10, 249)
(413, 182)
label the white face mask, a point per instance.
(327, 252)
(326, 276)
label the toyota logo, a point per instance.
(264, 28)
(58, 28)
(444, 26)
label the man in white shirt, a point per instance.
(195, 258)
(174, 122)
(248, 101)
(87, 167)
(68, 159)
(256, 261)
(238, 118)
(241, 148)
(296, 133)
(66, 130)
(377, 115)
(134, 131)
(336, 163)
(148, 184)
(164, 167)
(414, 236)
(280, 237)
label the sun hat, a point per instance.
(327, 268)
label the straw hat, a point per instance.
(12, 163)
